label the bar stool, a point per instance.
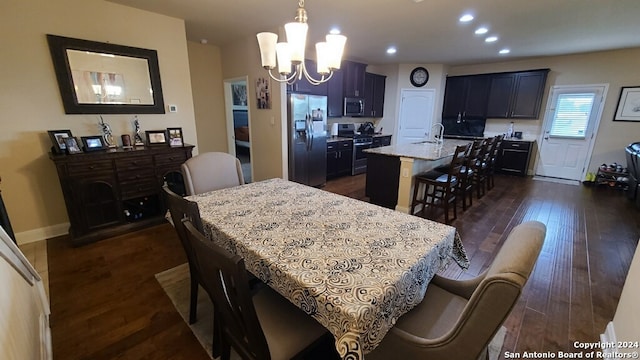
(478, 164)
(440, 189)
(493, 156)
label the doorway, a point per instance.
(570, 124)
(238, 123)
(416, 115)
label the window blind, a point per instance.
(572, 115)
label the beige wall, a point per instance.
(267, 126)
(205, 64)
(30, 102)
(616, 68)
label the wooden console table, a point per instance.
(113, 192)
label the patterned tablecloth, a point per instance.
(355, 267)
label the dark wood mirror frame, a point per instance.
(58, 47)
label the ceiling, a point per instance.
(423, 31)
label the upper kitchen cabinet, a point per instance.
(516, 95)
(304, 86)
(374, 95)
(466, 96)
(354, 74)
(335, 94)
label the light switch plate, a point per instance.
(173, 108)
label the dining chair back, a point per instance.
(478, 164)
(438, 189)
(493, 161)
(181, 208)
(457, 319)
(211, 171)
(260, 326)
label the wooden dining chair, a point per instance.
(493, 161)
(180, 208)
(478, 165)
(260, 327)
(211, 171)
(457, 319)
(439, 190)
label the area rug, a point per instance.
(175, 283)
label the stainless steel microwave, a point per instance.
(353, 107)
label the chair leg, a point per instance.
(193, 301)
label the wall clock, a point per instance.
(419, 77)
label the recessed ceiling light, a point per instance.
(391, 50)
(504, 51)
(491, 39)
(203, 41)
(334, 31)
(481, 30)
(466, 18)
(417, 1)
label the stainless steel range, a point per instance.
(361, 142)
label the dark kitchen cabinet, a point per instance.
(514, 156)
(339, 158)
(305, 87)
(466, 96)
(516, 95)
(354, 75)
(335, 94)
(374, 95)
(111, 193)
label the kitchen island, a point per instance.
(390, 170)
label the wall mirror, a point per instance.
(101, 78)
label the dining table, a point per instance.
(353, 266)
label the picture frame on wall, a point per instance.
(72, 145)
(156, 137)
(93, 143)
(57, 139)
(628, 108)
(175, 137)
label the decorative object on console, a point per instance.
(57, 138)
(93, 143)
(156, 137)
(126, 141)
(72, 146)
(628, 108)
(107, 134)
(175, 136)
(137, 137)
(329, 53)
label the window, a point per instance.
(571, 117)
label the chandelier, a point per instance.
(291, 53)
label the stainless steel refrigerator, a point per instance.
(307, 122)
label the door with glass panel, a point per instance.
(570, 124)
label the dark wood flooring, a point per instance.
(107, 304)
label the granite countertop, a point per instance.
(426, 150)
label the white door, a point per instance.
(570, 124)
(416, 115)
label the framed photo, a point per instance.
(263, 93)
(628, 104)
(93, 143)
(57, 138)
(156, 137)
(175, 136)
(239, 95)
(72, 145)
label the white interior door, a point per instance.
(416, 115)
(571, 122)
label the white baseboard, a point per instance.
(609, 337)
(43, 233)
